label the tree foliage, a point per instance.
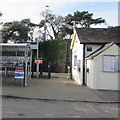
(51, 50)
(58, 27)
(17, 30)
(52, 25)
(84, 19)
(31, 26)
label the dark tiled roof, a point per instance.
(99, 35)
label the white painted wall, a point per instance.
(101, 79)
(90, 75)
(94, 48)
(77, 50)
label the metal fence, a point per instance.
(15, 69)
(8, 67)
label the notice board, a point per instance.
(111, 63)
(19, 73)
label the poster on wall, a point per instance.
(75, 60)
(111, 63)
(117, 63)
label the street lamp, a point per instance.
(45, 26)
(37, 68)
(0, 14)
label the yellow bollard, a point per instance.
(68, 67)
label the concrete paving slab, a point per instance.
(59, 87)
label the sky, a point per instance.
(22, 9)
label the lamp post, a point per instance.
(0, 14)
(37, 58)
(0, 27)
(45, 26)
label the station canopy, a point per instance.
(14, 47)
(7, 59)
(33, 45)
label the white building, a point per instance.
(103, 68)
(85, 42)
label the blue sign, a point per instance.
(19, 73)
(75, 60)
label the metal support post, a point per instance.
(30, 63)
(25, 66)
(5, 71)
(26, 73)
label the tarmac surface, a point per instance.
(61, 88)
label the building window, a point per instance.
(89, 49)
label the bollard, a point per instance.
(68, 67)
(49, 70)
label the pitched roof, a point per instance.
(98, 35)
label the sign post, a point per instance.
(38, 61)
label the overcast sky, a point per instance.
(21, 9)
